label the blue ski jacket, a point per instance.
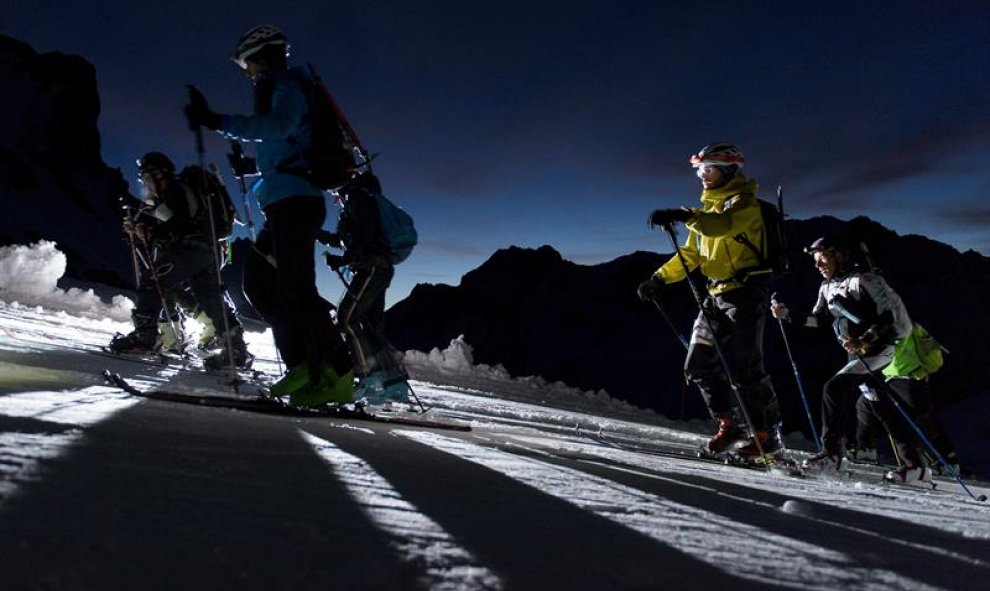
(283, 134)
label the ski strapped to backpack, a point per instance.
(335, 151)
(336, 154)
(773, 254)
(213, 202)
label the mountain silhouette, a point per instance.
(536, 313)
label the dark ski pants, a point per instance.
(280, 282)
(839, 391)
(868, 427)
(361, 314)
(737, 318)
(914, 397)
(175, 264)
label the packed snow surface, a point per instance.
(628, 467)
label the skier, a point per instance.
(735, 308)
(280, 275)
(868, 318)
(382, 379)
(172, 234)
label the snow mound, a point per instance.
(795, 507)
(455, 366)
(29, 276)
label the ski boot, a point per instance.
(375, 391)
(209, 339)
(168, 341)
(862, 455)
(771, 443)
(137, 342)
(296, 377)
(240, 359)
(331, 388)
(908, 473)
(398, 391)
(827, 459)
(370, 388)
(727, 438)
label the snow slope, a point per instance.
(584, 449)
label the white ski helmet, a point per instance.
(256, 39)
(718, 154)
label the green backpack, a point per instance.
(917, 356)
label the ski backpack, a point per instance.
(917, 355)
(211, 197)
(330, 156)
(398, 230)
(773, 254)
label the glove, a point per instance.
(861, 343)
(666, 217)
(779, 310)
(854, 345)
(651, 289)
(334, 261)
(242, 165)
(198, 111)
(139, 230)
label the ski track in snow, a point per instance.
(417, 538)
(21, 454)
(970, 520)
(739, 549)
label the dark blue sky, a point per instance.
(565, 123)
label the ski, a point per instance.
(159, 359)
(771, 463)
(261, 403)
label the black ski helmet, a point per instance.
(256, 39)
(155, 162)
(836, 243)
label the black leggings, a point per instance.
(361, 313)
(280, 282)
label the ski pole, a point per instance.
(153, 271)
(148, 261)
(666, 318)
(893, 448)
(130, 239)
(668, 228)
(892, 396)
(869, 260)
(683, 342)
(201, 159)
(797, 378)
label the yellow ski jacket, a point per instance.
(725, 212)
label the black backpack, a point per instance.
(772, 254)
(212, 198)
(330, 156)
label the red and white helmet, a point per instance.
(718, 154)
(254, 40)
